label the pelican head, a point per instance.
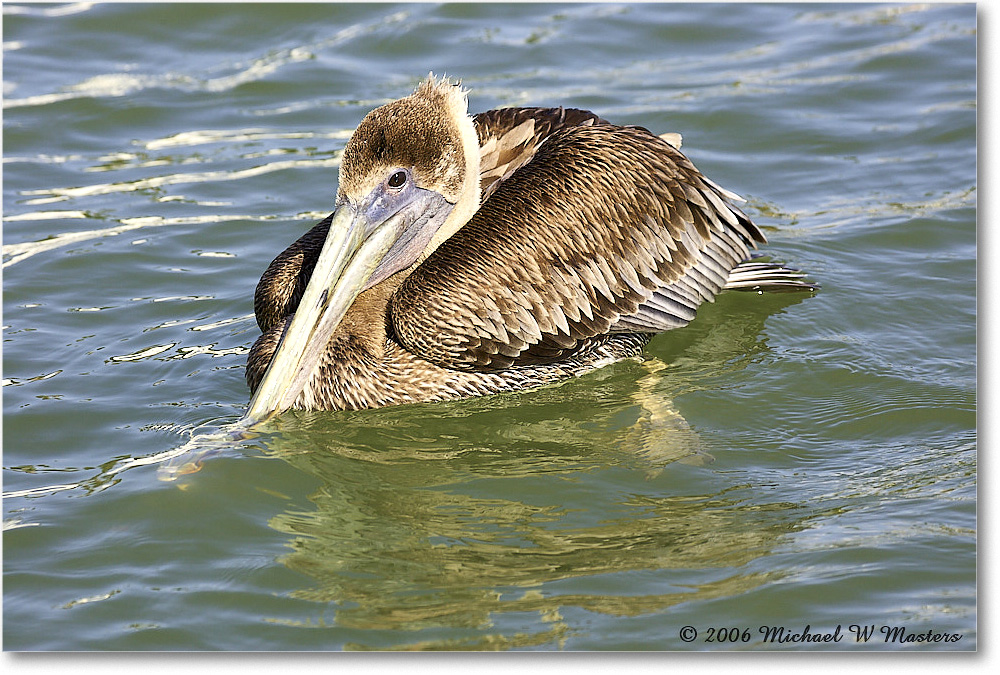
(409, 179)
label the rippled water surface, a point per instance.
(783, 461)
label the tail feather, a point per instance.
(753, 275)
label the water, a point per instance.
(156, 157)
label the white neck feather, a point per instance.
(468, 201)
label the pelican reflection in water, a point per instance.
(469, 255)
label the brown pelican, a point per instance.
(474, 255)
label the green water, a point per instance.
(156, 157)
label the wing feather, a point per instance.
(633, 239)
(281, 286)
(509, 137)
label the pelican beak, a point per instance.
(365, 244)
(345, 264)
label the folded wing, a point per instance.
(633, 240)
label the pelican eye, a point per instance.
(397, 180)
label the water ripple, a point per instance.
(15, 253)
(113, 85)
(205, 136)
(47, 11)
(62, 194)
